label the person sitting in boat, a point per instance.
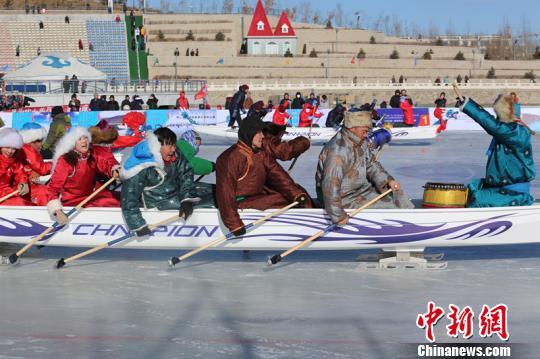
(61, 123)
(247, 177)
(75, 166)
(12, 175)
(510, 165)
(156, 175)
(280, 116)
(33, 134)
(103, 137)
(348, 175)
(307, 115)
(279, 149)
(189, 144)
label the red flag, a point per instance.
(353, 60)
(202, 93)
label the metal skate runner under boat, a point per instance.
(391, 230)
(319, 135)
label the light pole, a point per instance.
(176, 54)
(327, 61)
(357, 13)
(514, 43)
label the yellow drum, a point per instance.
(445, 195)
(387, 125)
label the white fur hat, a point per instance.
(9, 137)
(32, 131)
(358, 119)
(504, 108)
(67, 142)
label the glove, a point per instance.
(240, 231)
(186, 210)
(302, 200)
(144, 231)
(61, 217)
(23, 188)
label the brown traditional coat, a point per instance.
(285, 150)
(245, 179)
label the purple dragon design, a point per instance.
(387, 232)
(22, 228)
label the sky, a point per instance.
(460, 16)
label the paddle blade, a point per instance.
(60, 263)
(274, 259)
(13, 258)
(174, 261)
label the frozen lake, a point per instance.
(129, 304)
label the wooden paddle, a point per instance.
(14, 193)
(175, 260)
(62, 262)
(15, 256)
(278, 257)
(456, 90)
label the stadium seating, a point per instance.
(109, 48)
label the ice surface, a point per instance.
(128, 304)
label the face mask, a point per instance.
(297, 96)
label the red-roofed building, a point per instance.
(262, 40)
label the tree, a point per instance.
(372, 40)
(329, 24)
(268, 4)
(361, 54)
(439, 42)
(394, 55)
(487, 56)
(313, 53)
(288, 53)
(529, 75)
(227, 6)
(189, 36)
(304, 50)
(536, 54)
(160, 35)
(426, 56)
(220, 36)
(491, 73)
(459, 56)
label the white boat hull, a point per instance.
(390, 229)
(319, 135)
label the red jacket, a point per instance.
(280, 118)
(408, 116)
(32, 159)
(72, 185)
(11, 175)
(182, 102)
(305, 115)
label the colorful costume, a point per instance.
(283, 150)
(150, 183)
(510, 166)
(248, 178)
(280, 116)
(307, 114)
(408, 114)
(12, 174)
(74, 174)
(59, 127)
(33, 162)
(348, 175)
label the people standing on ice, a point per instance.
(280, 116)
(236, 106)
(257, 110)
(335, 116)
(182, 101)
(395, 100)
(408, 114)
(307, 115)
(510, 166)
(325, 104)
(348, 175)
(75, 167)
(248, 102)
(12, 175)
(248, 177)
(440, 102)
(298, 102)
(279, 149)
(61, 123)
(74, 104)
(156, 175)
(312, 100)
(33, 135)
(126, 102)
(189, 143)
